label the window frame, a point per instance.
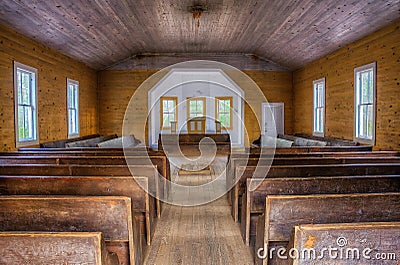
(175, 99)
(34, 105)
(357, 91)
(315, 107)
(188, 100)
(77, 134)
(217, 99)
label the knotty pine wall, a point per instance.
(383, 47)
(53, 69)
(117, 86)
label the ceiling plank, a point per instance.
(290, 33)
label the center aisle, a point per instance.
(203, 234)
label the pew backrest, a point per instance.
(371, 243)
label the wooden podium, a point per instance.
(190, 142)
(196, 125)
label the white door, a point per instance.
(273, 121)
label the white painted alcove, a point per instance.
(186, 83)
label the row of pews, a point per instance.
(85, 198)
(306, 199)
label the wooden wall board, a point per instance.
(383, 47)
(117, 86)
(53, 70)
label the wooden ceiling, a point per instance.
(290, 33)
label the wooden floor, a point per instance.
(203, 234)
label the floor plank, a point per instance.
(203, 234)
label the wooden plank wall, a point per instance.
(53, 69)
(383, 47)
(117, 86)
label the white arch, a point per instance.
(184, 83)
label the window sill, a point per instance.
(365, 141)
(72, 136)
(319, 134)
(26, 143)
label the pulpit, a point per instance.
(196, 125)
(190, 142)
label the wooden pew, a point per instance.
(158, 158)
(315, 154)
(92, 142)
(89, 170)
(381, 238)
(243, 173)
(61, 143)
(132, 187)
(109, 215)
(309, 149)
(234, 158)
(112, 151)
(37, 248)
(253, 201)
(282, 213)
(301, 160)
(161, 162)
(329, 140)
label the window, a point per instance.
(73, 107)
(319, 106)
(365, 89)
(25, 94)
(223, 111)
(196, 107)
(168, 111)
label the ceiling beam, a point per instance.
(147, 61)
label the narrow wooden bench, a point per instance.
(271, 154)
(309, 149)
(282, 213)
(92, 142)
(243, 173)
(142, 205)
(109, 215)
(253, 201)
(112, 150)
(36, 248)
(329, 140)
(367, 243)
(61, 143)
(89, 170)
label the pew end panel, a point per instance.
(55, 248)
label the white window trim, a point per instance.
(74, 135)
(321, 134)
(19, 143)
(355, 137)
